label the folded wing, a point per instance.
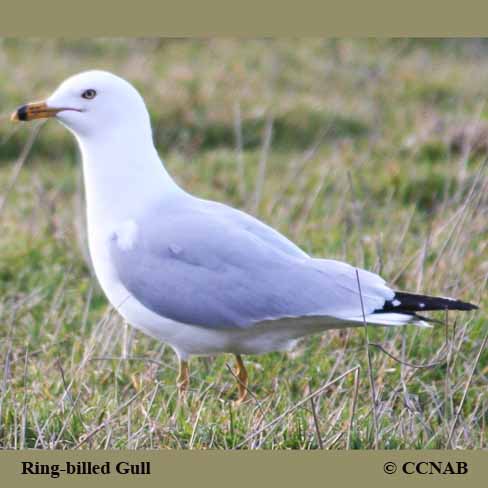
(209, 268)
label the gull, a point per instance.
(196, 274)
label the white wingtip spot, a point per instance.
(422, 305)
(396, 303)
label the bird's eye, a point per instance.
(89, 94)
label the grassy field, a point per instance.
(367, 151)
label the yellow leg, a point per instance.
(241, 374)
(183, 380)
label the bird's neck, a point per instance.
(123, 174)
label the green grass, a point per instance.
(376, 157)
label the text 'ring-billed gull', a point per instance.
(196, 274)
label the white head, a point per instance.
(91, 104)
(121, 167)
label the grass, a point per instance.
(368, 151)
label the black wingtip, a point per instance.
(404, 302)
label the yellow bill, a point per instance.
(35, 110)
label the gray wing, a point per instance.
(198, 266)
(255, 226)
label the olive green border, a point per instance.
(107, 18)
(88, 18)
(248, 469)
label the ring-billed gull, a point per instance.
(196, 274)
